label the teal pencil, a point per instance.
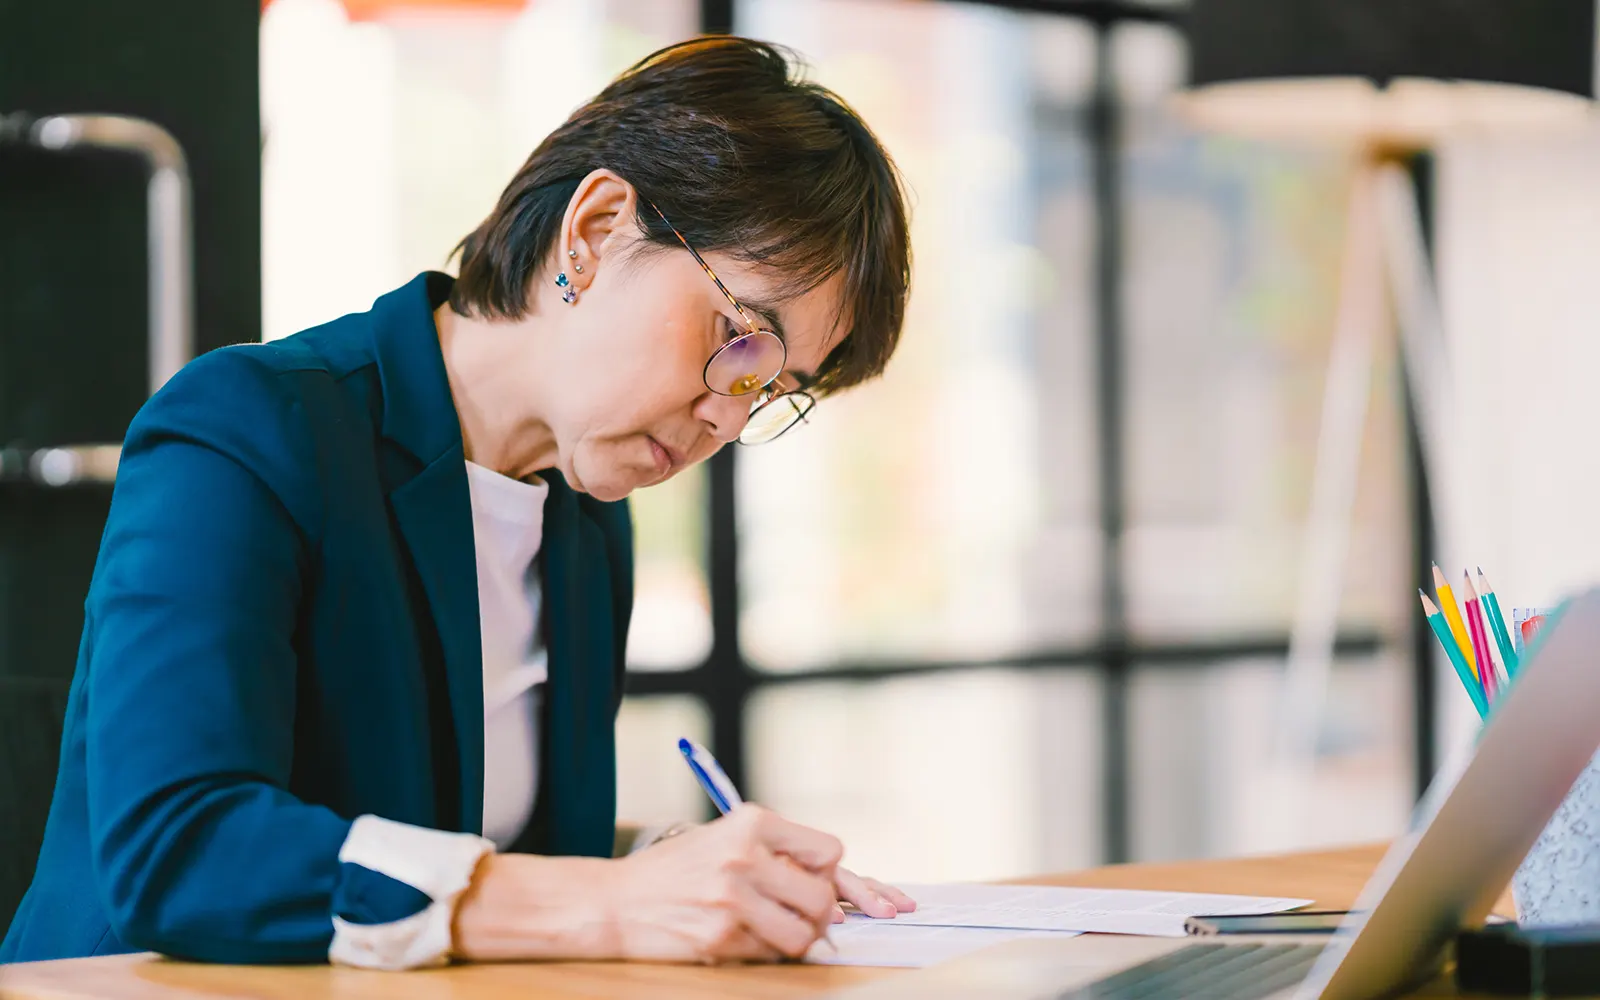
(1441, 629)
(1497, 624)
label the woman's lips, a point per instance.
(664, 459)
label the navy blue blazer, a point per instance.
(282, 635)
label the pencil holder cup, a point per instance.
(1558, 883)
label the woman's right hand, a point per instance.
(751, 886)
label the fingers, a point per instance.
(854, 890)
(807, 893)
(813, 849)
(902, 902)
(777, 926)
(874, 898)
(743, 946)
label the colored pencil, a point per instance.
(1441, 629)
(1480, 640)
(1497, 622)
(1452, 615)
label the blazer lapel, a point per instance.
(434, 512)
(433, 509)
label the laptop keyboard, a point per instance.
(1204, 971)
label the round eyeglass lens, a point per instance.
(746, 363)
(775, 416)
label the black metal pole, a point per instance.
(1105, 153)
(1424, 690)
(1424, 686)
(727, 680)
(716, 17)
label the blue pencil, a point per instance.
(1441, 629)
(1497, 624)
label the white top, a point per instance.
(507, 528)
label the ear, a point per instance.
(599, 222)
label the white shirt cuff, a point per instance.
(436, 863)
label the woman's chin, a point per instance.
(652, 478)
(616, 486)
(608, 482)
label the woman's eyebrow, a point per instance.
(768, 315)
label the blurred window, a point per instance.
(946, 511)
(1230, 284)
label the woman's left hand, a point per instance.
(869, 896)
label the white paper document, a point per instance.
(889, 943)
(1052, 908)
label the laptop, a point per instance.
(1469, 834)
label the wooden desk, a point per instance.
(1332, 878)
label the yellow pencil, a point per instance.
(1452, 617)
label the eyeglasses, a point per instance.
(750, 364)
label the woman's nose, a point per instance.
(725, 415)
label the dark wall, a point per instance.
(73, 313)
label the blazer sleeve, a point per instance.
(198, 849)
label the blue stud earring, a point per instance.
(570, 295)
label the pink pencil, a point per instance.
(1480, 641)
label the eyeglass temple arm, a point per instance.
(707, 268)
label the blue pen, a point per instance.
(711, 776)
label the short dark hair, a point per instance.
(744, 156)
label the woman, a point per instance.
(354, 645)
